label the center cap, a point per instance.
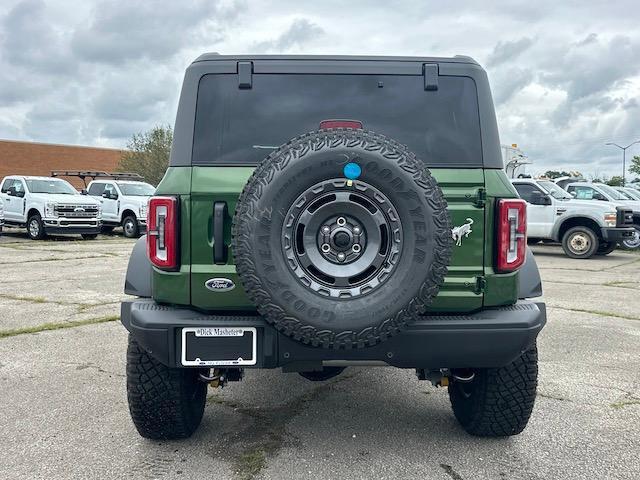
(342, 240)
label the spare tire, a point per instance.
(341, 262)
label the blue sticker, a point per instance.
(352, 170)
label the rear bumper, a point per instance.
(617, 234)
(488, 338)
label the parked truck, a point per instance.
(607, 195)
(46, 205)
(584, 228)
(1, 215)
(124, 203)
(123, 196)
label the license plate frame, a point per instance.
(218, 333)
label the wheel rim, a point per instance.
(342, 241)
(34, 228)
(579, 243)
(129, 227)
(633, 242)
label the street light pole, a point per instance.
(624, 158)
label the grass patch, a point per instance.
(56, 326)
(20, 298)
(619, 284)
(552, 397)
(57, 259)
(625, 403)
(83, 307)
(80, 307)
(595, 312)
(250, 463)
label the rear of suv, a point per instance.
(322, 212)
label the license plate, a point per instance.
(218, 346)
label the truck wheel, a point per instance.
(35, 227)
(606, 248)
(165, 403)
(340, 262)
(130, 227)
(633, 242)
(580, 242)
(498, 401)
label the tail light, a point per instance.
(512, 234)
(162, 232)
(357, 124)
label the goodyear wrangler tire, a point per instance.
(337, 262)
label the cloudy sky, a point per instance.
(565, 74)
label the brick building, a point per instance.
(30, 158)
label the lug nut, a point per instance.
(356, 230)
(341, 257)
(326, 229)
(326, 248)
(356, 248)
(341, 221)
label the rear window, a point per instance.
(240, 127)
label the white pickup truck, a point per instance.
(584, 228)
(603, 194)
(47, 205)
(124, 203)
(1, 215)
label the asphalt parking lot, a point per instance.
(64, 409)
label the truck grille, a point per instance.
(624, 217)
(77, 211)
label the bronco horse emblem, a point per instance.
(462, 230)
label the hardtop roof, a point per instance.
(213, 56)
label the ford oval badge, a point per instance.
(219, 284)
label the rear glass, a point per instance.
(240, 127)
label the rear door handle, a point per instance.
(219, 248)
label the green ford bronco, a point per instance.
(325, 212)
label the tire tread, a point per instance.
(161, 402)
(502, 399)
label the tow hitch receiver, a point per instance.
(218, 377)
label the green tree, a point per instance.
(635, 165)
(148, 153)
(615, 181)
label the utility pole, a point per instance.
(624, 158)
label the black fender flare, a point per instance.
(529, 282)
(139, 271)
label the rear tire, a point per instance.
(606, 248)
(130, 227)
(498, 401)
(165, 403)
(35, 227)
(580, 242)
